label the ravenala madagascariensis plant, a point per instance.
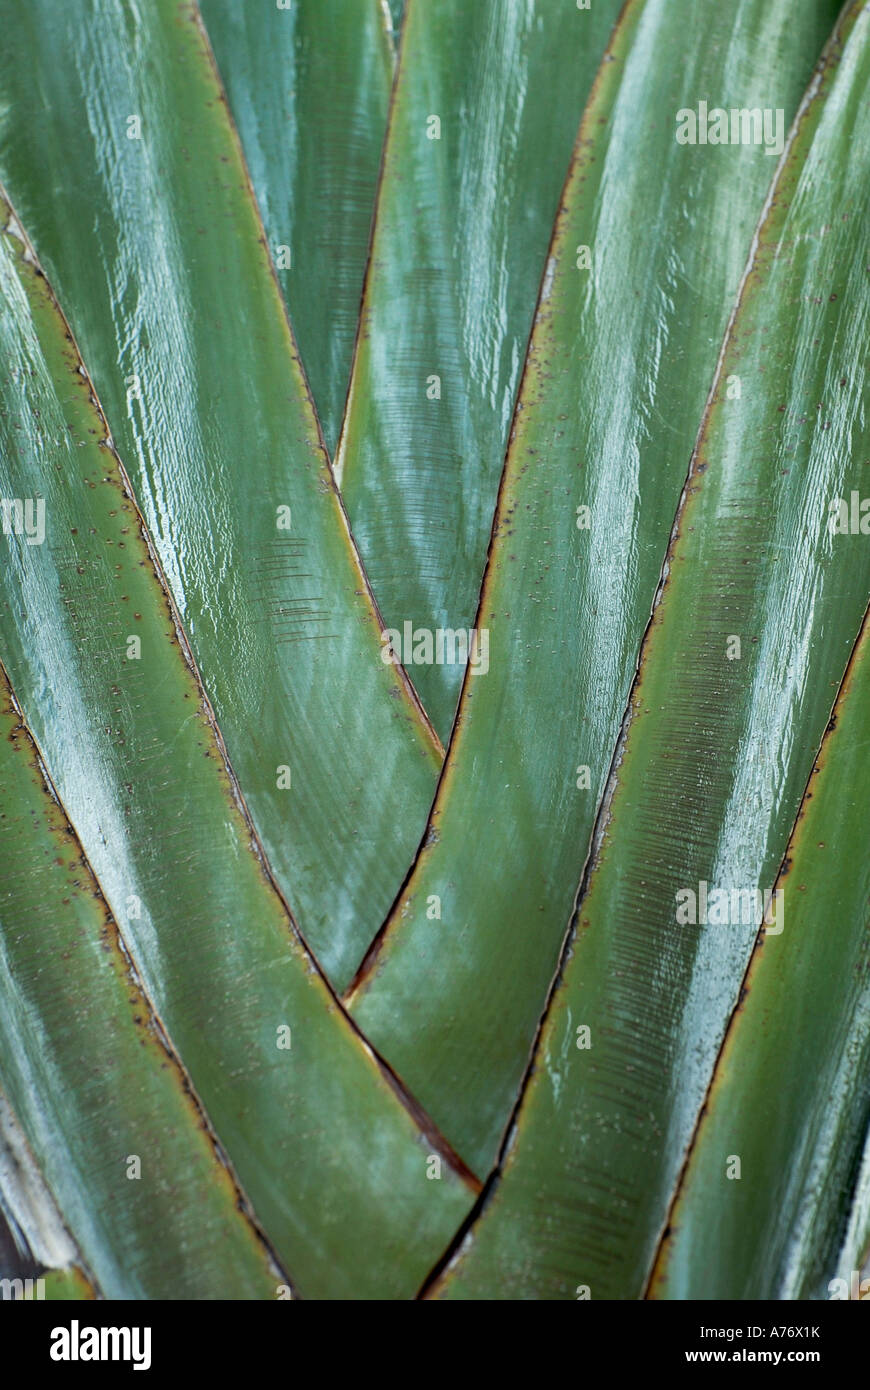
(434, 682)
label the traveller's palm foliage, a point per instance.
(331, 967)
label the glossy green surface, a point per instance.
(154, 247)
(309, 88)
(718, 751)
(334, 1165)
(90, 1077)
(621, 363)
(461, 234)
(790, 1091)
